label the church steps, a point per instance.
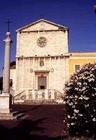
(29, 96)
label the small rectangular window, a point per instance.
(77, 68)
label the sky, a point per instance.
(77, 15)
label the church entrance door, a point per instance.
(42, 82)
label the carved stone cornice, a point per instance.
(45, 56)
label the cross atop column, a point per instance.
(8, 24)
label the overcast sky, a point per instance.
(78, 15)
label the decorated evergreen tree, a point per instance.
(80, 102)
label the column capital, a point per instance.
(8, 39)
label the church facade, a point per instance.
(43, 63)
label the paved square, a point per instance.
(40, 122)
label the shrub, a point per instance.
(80, 102)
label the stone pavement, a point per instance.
(34, 122)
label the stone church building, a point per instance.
(43, 63)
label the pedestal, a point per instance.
(5, 113)
(4, 103)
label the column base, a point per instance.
(4, 103)
(5, 113)
(7, 116)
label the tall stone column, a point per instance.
(6, 72)
(5, 96)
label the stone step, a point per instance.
(22, 117)
(13, 115)
(19, 115)
(15, 112)
(7, 116)
(29, 102)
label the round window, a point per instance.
(42, 41)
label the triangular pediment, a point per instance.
(42, 25)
